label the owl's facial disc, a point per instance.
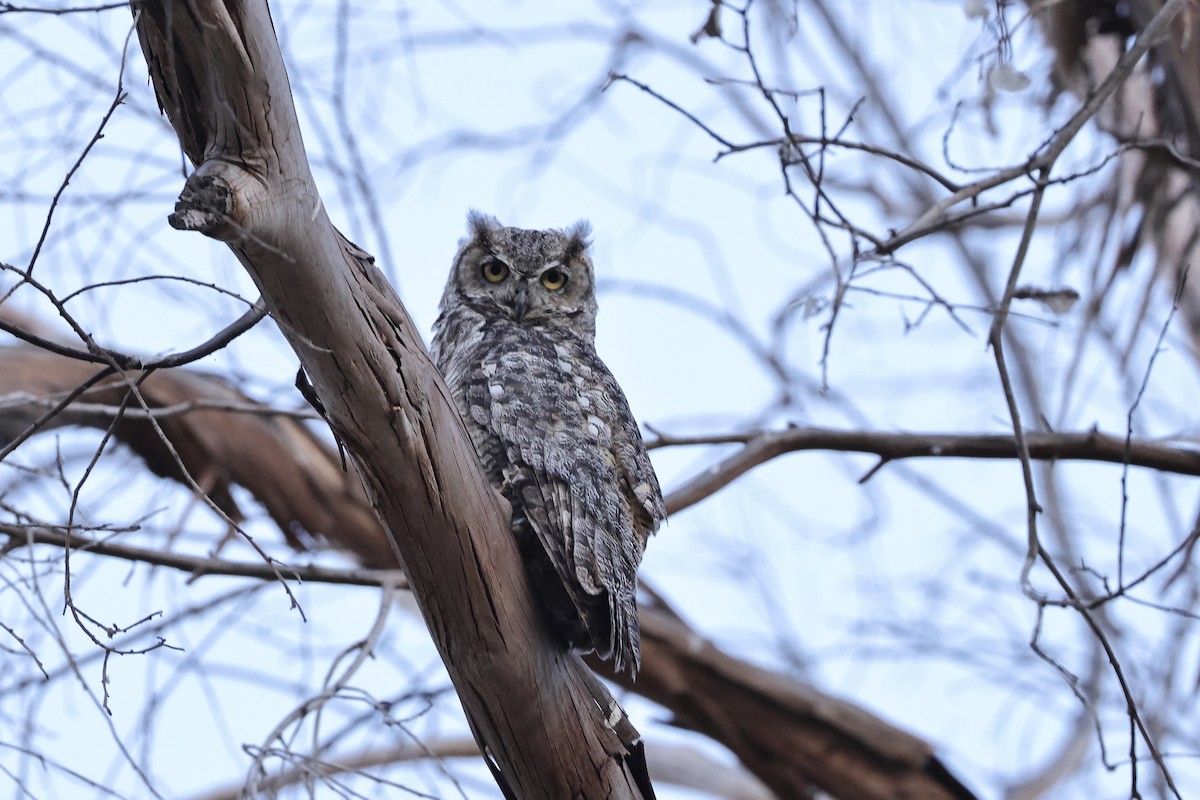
(530, 277)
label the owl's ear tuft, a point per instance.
(481, 226)
(578, 239)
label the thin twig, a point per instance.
(197, 566)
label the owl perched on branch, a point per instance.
(515, 342)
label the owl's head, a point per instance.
(535, 278)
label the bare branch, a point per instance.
(196, 566)
(763, 446)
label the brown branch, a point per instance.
(789, 734)
(828, 141)
(936, 217)
(307, 495)
(763, 446)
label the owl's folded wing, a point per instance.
(575, 500)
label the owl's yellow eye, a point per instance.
(494, 270)
(554, 279)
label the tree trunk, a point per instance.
(219, 75)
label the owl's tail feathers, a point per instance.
(581, 577)
(612, 625)
(609, 615)
(609, 627)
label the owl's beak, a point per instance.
(520, 304)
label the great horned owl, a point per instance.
(515, 342)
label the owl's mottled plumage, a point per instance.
(515, 342)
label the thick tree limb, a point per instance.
(791, 735)
(218, 444)
(219, 75)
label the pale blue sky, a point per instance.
(886, 593)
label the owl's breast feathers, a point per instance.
(554, 432)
